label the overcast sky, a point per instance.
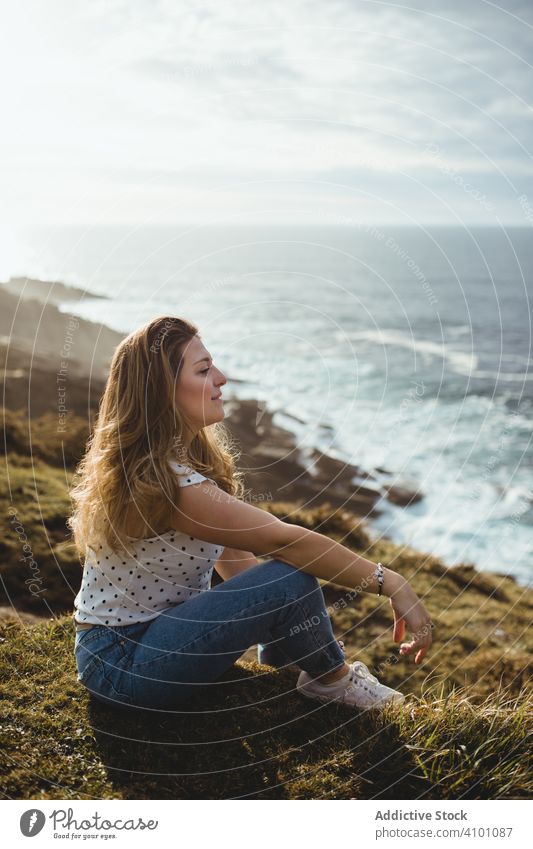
(169, 111)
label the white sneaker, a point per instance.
(358, 688)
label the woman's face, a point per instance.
(199, 386)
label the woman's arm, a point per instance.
(222, 519)
(332, 561)
(232, 561)
(323, 557)
(208, 513)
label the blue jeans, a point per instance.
(169, 659)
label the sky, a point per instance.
(157, 112)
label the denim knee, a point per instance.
(293, 580)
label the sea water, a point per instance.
(400, 349)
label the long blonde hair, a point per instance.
(137, 431)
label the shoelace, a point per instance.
(361, 671)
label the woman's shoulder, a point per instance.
(187, 475)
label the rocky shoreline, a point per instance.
(275, 468)
(481, 619)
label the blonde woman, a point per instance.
(158, 505)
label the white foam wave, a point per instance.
(459, 360)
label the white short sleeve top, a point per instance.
(164, 570)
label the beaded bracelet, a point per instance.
(380, 577)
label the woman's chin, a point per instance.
(215, 418)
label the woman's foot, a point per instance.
(358, 688)
(268, 654)
(336, 675)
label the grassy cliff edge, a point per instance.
(464, 731)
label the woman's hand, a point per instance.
(409, 611)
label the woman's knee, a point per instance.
(290, 577)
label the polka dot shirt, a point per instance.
(165, 570)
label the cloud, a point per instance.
(167, 95)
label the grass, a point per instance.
(252, 736)
(463, 732)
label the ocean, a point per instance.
(393, 348)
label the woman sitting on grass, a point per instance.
(158, 506)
